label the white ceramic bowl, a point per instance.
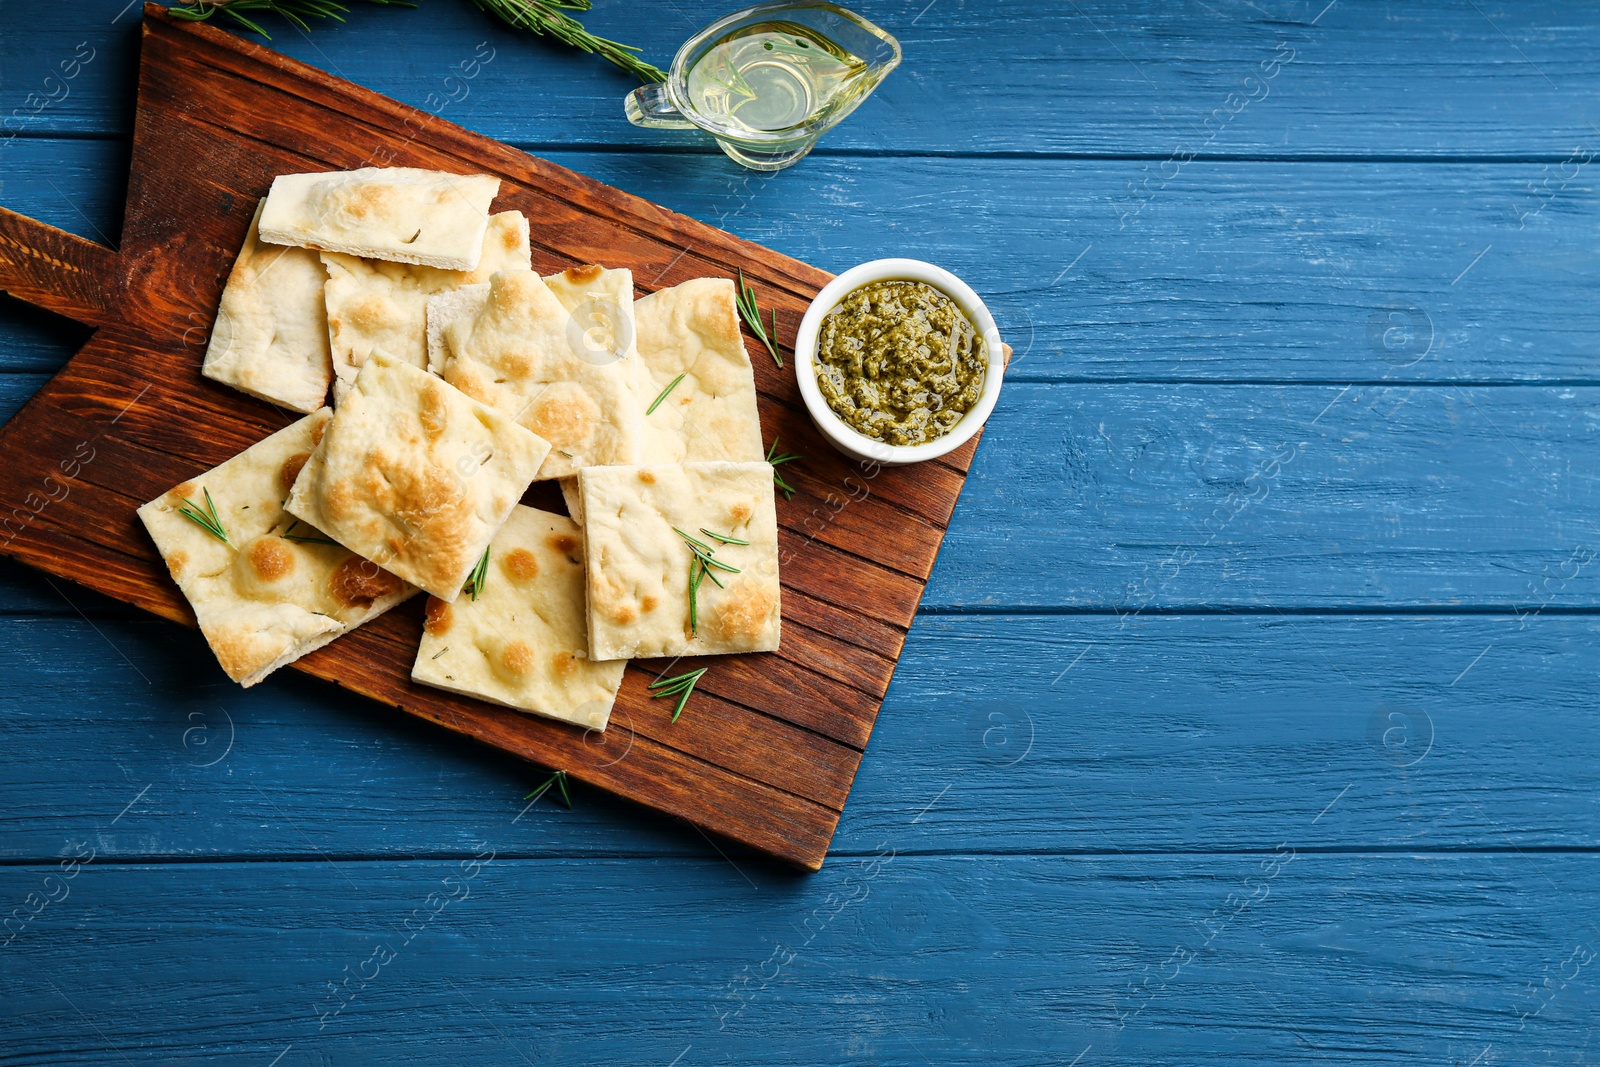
(836, 430)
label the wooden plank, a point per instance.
(1150, 498)
(1467, 952)
(769, 755)
(1062, 735)
(1012, 77)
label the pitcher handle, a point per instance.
(648, 106)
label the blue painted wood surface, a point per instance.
(1250, 716)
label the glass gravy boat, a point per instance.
(768, 81)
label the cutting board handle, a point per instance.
(56, 270)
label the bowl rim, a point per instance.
(840, 433)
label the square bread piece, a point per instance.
(693, 329)
(277, 589)
(402, 214)
(557, 354)
(372, 304)
(271, 335)
(638, 565)
(524, 641)
(415, 475)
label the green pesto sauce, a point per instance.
(899, 362)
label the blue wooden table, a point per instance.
(1250, 716)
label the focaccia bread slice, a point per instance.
(557, 354)
(638, 564)
(523, 640)
(692, 330)
(276, 589)
(374, 304)
(401, 214)
(271, 335)
(415, 475)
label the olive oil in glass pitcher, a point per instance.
(770, 80)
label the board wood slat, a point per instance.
(769, 749)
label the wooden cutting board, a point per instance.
(768, 747)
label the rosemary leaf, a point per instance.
(712, 561)
(296, 12)
(696, 544)
(751, 314)
(289, 535)
(670, 387)
(724, 538)
(778, 460)
(547, 17)
(681, 686)
(559, 780)
(474, 583)
(207, 520)
(696, 572)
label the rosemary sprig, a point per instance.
(538, 16)
(558, 779)
(704, 553)
(777, 461)
(751, 314)
(681, 686)
(289, 535)
(702, 557)
(480, 574)
(670, 387)
(207, 520)
(550, 17)
(295, 11)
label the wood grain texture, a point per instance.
(1035, 733)
(1093, 77)
(886, 958)
(1432, 908)
(768, 757)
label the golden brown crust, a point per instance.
(565, 544)
(358, 582)
(271, 558)
(582, 275)
(517, 657)
(437, 618)
(521, 564)
(291, 470)
(565, 664)
(741, 613)
(647, 477)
